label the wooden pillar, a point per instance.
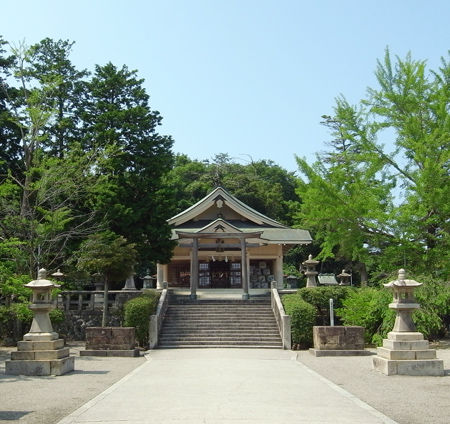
(165, 273)
(194, 268)
(244, 270)
(159, 276)
(278, 272)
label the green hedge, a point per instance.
(15, 321)
(303, 318)
(319, 297)
(137, 314)
(369, 307)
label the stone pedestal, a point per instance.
(338, 341)
(40, 358)
(41, 352)
(110, 341)
(129, 283)
(407, 353)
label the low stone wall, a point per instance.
(75, 323)
(338, 337)
(110, 338)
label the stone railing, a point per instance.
(157, 319)
(283, 320)
(80, 300)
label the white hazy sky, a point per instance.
(249, 77)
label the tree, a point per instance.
(50, 66)
(9, 131)
(263, 185)
(120, 129)
(79, 155)
(109, 255)
(380, 208)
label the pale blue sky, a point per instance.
(248, 77)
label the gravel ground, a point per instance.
(405, 399)
(46, 400)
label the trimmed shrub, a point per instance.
(137, 313)
(320, 297)
(368, 307)
(303, 318)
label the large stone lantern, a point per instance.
(405, 351)
(41, 327)
(41, 352)
(404, 302)
(310, 265)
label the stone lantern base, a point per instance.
(407, 353)
(40, 358)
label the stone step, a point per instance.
(228, 343)
(220, 306)
(220, 318)
(219, 334)
(215, 338)
(250, 302)
(249, 329)
(218, 311)
(220, 324)
(206, 315)
(237, 325)
(218, 346)
(237, 329)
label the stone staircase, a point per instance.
(219, 323)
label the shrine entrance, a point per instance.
(225, 274)
(220, 274)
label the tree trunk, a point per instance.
(361, 266)
(105, 304)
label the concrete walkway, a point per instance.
(224, 386)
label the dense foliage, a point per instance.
(137, 313)
(80, 154)
(369, 308)
(262, 184)
(383, 207)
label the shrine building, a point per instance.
(224, 244)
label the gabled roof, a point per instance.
(220, 196)
(219, 226)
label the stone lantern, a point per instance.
(148, 281)
(41, 327)
(344, 278)
(310, 265)
(404, 302)
(405, 352)
(292, 282)
(58, 275)
(41, 352)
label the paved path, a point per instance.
(224, 386)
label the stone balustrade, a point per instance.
(283, 320)
(80, 300)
